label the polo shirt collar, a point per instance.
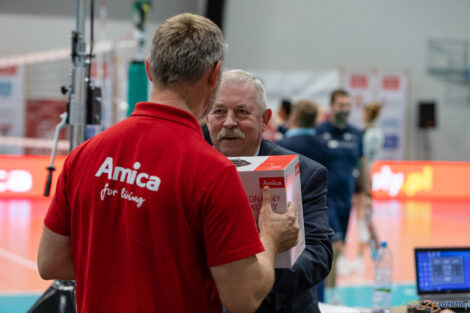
(300, 131)
(166, 112)
(257, 152)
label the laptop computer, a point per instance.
(443, 274)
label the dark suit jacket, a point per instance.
(294, 289)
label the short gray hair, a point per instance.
(184, 47)
(233, 77)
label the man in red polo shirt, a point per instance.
(147, 217)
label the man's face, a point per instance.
(235, 122)
(340, 110)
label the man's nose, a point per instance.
(230, 121)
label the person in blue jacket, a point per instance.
(345, 153)
(302, 137)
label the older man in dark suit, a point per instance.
(236, 123)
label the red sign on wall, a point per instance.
(359, 81)
(8, 71)
(42, 116)
(391, 82)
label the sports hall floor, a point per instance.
(404, 225)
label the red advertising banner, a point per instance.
(25, 176)
(420, 180)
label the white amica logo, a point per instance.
(388, 181)
(16, 181)
(129, 176)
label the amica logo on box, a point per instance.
(271, 182)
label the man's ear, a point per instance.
(147, 69)
(214, 73)
(266, 117)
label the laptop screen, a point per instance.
(442, 270)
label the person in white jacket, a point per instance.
(373, 136)
(372, 144)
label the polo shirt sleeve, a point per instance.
(230, 231)
(58, 215)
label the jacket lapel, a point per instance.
(264, 147)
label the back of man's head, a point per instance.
(305, 114)
(184, 47)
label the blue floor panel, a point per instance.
(361, 296)
(17, 303)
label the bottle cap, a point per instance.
(383, 244)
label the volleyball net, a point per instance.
(31, 100)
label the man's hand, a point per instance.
(243, 284)
(280, 230)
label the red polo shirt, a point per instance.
(149, 207)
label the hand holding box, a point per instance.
(282, 174)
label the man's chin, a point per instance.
(229, 148)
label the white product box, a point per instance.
(282, 174)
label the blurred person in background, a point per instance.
(302, 137)
(147, 217)
(373, 139)
(345, 153)
(236, 124)
(284, 113)
(278, 124)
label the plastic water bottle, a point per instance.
(382, 294)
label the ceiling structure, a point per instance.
(117, 9)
